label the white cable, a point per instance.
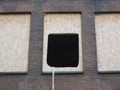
(53, 78)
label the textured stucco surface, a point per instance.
(62, 23)
(14, 42)
(108, 42)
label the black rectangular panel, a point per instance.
(63, 50)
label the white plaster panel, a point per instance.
(14, 42)
(58, 24)
(108, 42)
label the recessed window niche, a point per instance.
(108, 42)
(14, 43)
(62, 47)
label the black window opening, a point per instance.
(63, 50)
